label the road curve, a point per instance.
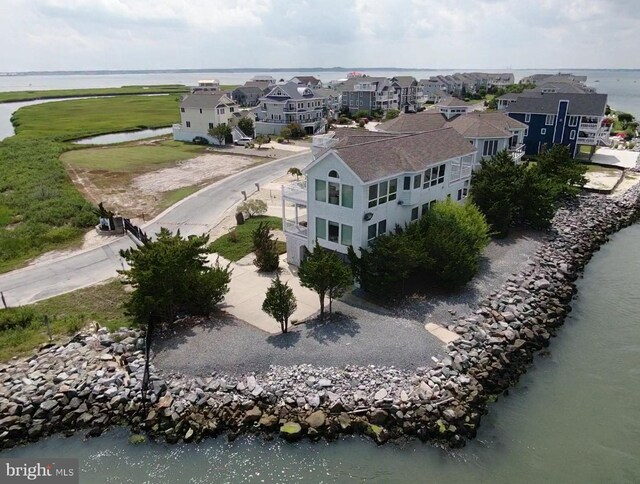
(193, 215)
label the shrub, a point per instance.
(392, 114)
(246, 126)
(233, 237)
(280, 139)
(296, 131)
(17, 318)
(362, 113)
(453, 237)
(253, 207)
(361, 123)
(344, 120)
(264, 248)
(280, 303)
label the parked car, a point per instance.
(244, 141)
(200, 140)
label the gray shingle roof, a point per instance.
(453, 103)
(206, 99)
(292, 91)
(412, 123)
(404, 81)
(378, 156)
(486, 125)
(579, 104)
(249, 90)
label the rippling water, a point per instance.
(574, 417)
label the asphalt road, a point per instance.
(194, 215)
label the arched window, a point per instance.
(333, 174)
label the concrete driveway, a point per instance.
(194, 215)
(248, 288)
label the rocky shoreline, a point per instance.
(93, 382)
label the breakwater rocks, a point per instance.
(94, 381)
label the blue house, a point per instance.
(570, 119)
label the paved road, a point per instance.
(194, 215)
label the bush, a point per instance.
(344, 120)
(252, 208)
(264, 248)
(392, 114)
(280, 139)
(362, 113)
(361, 123)
(17, 318)
(296, 131)
(246, 126)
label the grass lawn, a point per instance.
(17, 96)
(232, 250)
(174, 196)
(22, 330)
(79, 118)
(133, 157)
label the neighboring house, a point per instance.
(432, 91)
(291, 103)
(489, 133)
(265, 86)
(572, 120)
(539, 79)
(406, 88)
(309, 81)
(209, 85)
(201, 112)
(451, 107)
(361, 185)
(368, 94)
(544, 88)
(247, 96)
(332, 96)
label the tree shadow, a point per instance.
(332, 328)
(179, 333)
(284, 340)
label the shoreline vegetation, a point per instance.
(35, 95)
(40, 208)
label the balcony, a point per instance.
(587, 140)
(517, 152)
(296, 192)
(299, 229)
(589, 126)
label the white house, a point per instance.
(207, 85)
(361, 185)
(453, 107)
(202, 111)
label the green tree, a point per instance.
(286, 134)
(295, 172)
(220, 132)
(565, 173)
(170, 275)
(392, 113)
(252, 208)
(325, 274)
(264, 248)
(246, 126)
(493, 190)
(625, 118)
(453, 237)
(386, 266)
(296, 130)
(362, 113)
(280, 303)
(261, 140)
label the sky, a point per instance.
(191, 34)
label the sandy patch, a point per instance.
(191, 172)
(91, 240)
(604, 179)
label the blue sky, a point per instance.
(489, 34)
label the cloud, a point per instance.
(130, 34)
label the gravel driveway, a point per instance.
(362, 335)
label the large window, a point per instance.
(334, 193)
(407, 183)
(347, 196)
(334, 232)
(321, 228)
(417, 179)
(434, 176)
(383, 192)
(549, 119)
(573, 120)
(321, 190)
(375, 230)
(346, 232)
(490, 147)
(414, 214)
(572, 135)
(527, 118)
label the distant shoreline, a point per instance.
(290, 69)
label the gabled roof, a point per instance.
(292, 90)
(414, 122)
(453, 103)
(378, 155)
(404, 81)
(260, 84)
(486, 125)
(579, 104)
(380, 82)
(249, 89)
(308, 80)
(206, 99)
